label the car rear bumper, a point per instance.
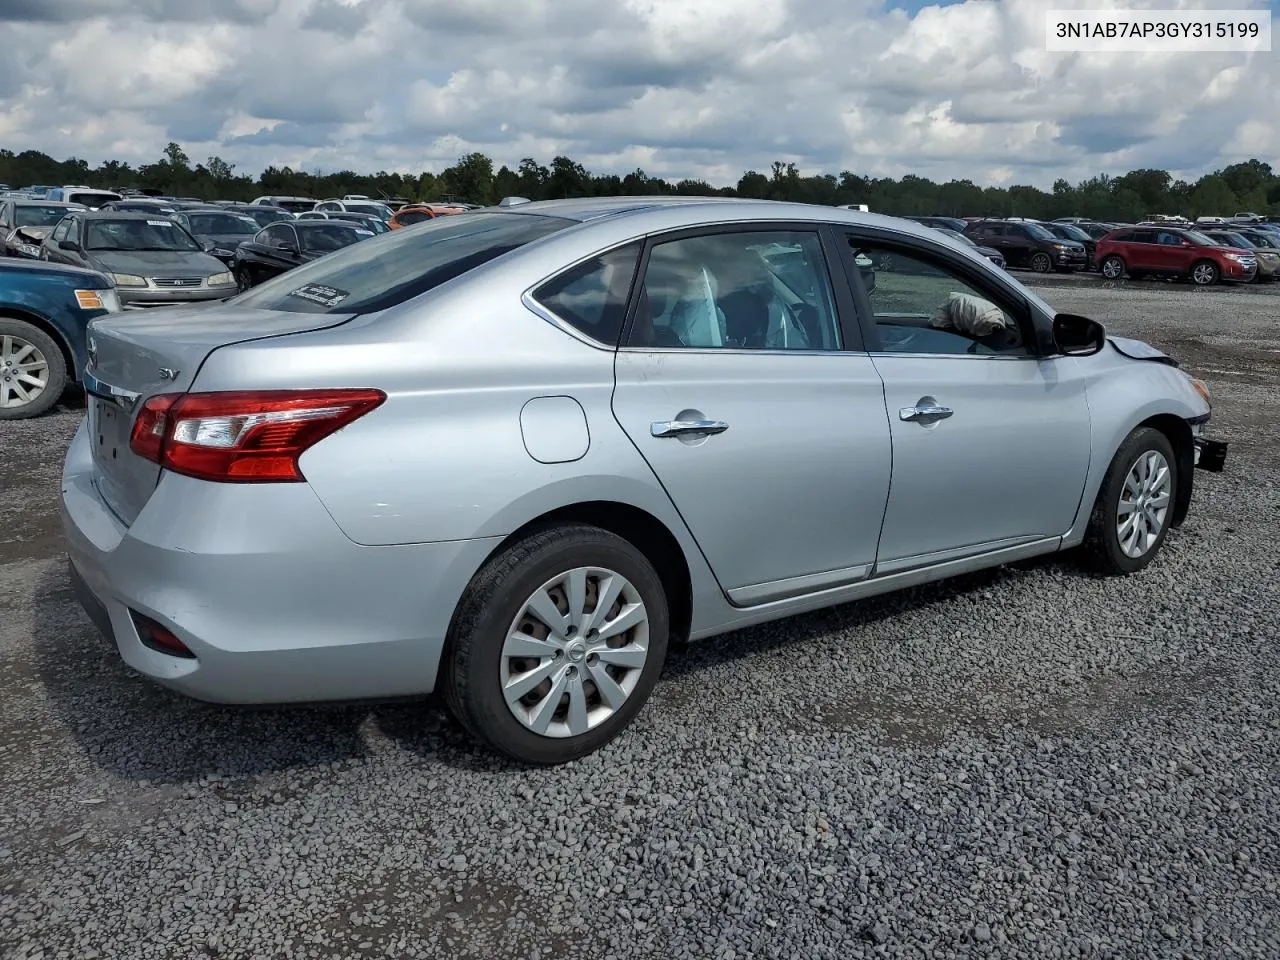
(257, 581)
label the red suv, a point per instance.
(1189, 254)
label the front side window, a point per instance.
(592, 297)
(766, 290)
(387, 270)
(138, 234)
(922, 305)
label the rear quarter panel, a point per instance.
(51, 298)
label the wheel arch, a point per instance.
(50, 329)
(641, 529)
(1178, 431)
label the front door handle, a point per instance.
(678, 428)
(924, 412)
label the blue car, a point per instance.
(44, 311)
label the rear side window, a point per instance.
(387, 270)
(592, 297)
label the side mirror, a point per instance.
(207, 245)
(1078, 336)
(72, 245)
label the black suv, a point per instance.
(1072, 231)
(1026, 243)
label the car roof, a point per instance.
(117, 215)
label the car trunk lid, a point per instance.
(135, 356)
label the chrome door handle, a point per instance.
(925, 412)
(677, 428)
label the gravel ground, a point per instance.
(1024, 762)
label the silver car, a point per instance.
(510, 454)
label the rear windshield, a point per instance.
(221, 223)
(30, 216)
(90, 199)
(264, 215)
(384, 271)
(413, 216)
(324, 236)
(296, 206)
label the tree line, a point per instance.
(1248, 186)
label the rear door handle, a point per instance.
(677, 428)
(924, 413)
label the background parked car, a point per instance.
(1096, 229)
(218, 231)
(44, 309)
(946, 223)
(367, 220)
(153, 260)
(364, 205)
(260, 214)
(283, 246)
(292, 204)
(1069, 231)
(421, 212)
(1268, 257)
(1028, 244)
(85, 196)
(1173, 252)
(25, 223)
(162, 208)
(991, 253)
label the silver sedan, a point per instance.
(510, 455)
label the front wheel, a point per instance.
(556, 644)
(33, 373)
(1113, 268)
(1205, 273)
(1132, 513)
(1041, 263)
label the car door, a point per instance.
(991, 442)
(1142, 251)
(1171, 252)
(756, 408)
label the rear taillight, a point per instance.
(243, 436)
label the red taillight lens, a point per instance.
(243, 436)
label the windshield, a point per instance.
(413, 216)
(1039, 232)
(25, 216)
(221, 223)
(1236, 240)
(264, 217)
(387, 270)
(90, 199)
(325, 237)
(1073, 232)
(377, 209)
(1261, 240)
(957, 235)
(1195, 236)
(138, 235)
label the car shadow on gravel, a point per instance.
(136, 729)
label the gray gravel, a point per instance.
(1025, 762)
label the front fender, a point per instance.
(1123, 395)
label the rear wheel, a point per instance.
(1132, 513)
(556, 644)
(33, 373)
(1041, 263)
(1113, 268)
(1205, 273)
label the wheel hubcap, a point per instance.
(575, 652)
(24, 371)
(1144, 504)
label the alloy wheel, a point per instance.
(1144, 504)
(1112, 268)
(1041, 263)
(1203, 274)
(24, 371)
(575, 652)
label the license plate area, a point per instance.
(109, 433)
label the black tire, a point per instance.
(470, 666)
(242, 279)
(1112, 268)
(1102, 550)
(1205, 273)
(55, 365)
(1041, 263)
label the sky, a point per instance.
(680, 88)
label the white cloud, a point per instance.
(681, 89)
